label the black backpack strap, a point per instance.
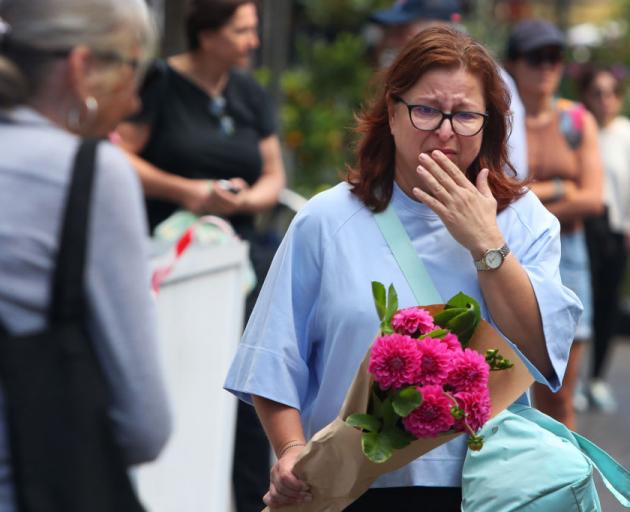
(67, 297)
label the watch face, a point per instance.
(493, 259)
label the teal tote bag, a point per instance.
(532, 463)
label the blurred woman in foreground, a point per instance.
(69, 70)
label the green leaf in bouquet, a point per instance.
(446, 315)
(438, 333)
(461, 300)
(376, 401)
(463, 325)
(464, 336)
(406, 400)
(475, 442)
(380, 299)
(386, 327)
(389, 414)
(376, 447)
(397, 438)
(392, 303)
(365, 422)
(496, 361)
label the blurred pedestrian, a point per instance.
(403, 20)
(608, 235)
(68, 70)
(565, 166)
(205, 140)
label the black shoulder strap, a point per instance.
(67, 297)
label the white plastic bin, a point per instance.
(200, 312)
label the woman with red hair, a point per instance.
(432, 149)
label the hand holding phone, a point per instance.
(229, 186)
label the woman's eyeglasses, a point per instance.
(137, 66)
(217, 109)
(117, 58)
(428, 119)
(551, 56)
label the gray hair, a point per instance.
(33, 30)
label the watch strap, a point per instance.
(480, 264)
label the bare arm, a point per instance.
(264, 193)
(469, 213)
(510, 297)
(283, 427)
(585, 199)
(202, 196)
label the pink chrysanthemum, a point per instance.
(452, 342)
(435, 362)
(433, 416)
(469, 371)
(413, 321)
(394, 361)
(476, 406)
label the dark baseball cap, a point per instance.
(532, 34)
(406, 11)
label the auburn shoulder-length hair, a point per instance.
(372, 178)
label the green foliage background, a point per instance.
(322, 93)
(331, 80)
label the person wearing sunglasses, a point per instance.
(608, 235)
(433, 148)
(565, 170)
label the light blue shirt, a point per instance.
(315, 318)
(517, 140)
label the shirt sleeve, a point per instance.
(538, 251)
(272, 358)
(122, 317)
(517, 140)
(151, 94)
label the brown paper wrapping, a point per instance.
(332, 462)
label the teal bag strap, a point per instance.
(614, 475)
(407, 258)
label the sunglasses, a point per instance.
(551, 56)
(218, 110)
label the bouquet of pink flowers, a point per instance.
(426, 381)
(428, 377)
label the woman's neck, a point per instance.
(606, 121)
(55, 104)
(406, 182)
(538, 106)
(209, 74)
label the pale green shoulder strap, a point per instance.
(615, 477)
(407, 258)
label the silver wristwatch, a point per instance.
(492, 259)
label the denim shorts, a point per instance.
(575, 274)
